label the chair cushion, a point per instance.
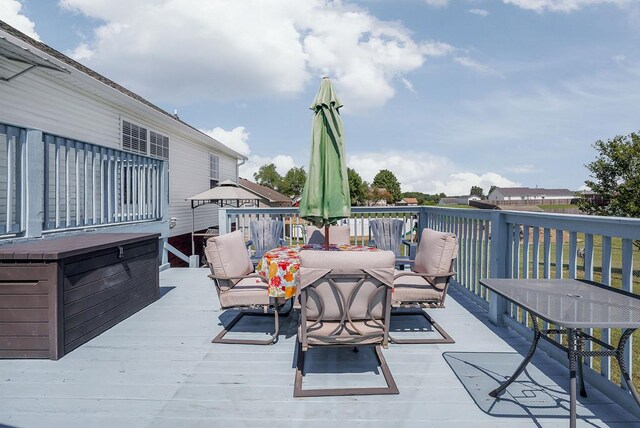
(247, 292)
(228, 255)
(435, 252)
(347, 334)
(413, 288)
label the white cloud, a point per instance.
(424, 172)
(236, 139)
(619, 58)
(10, 12)
(474, 65)
(407, 84)
(437, 3)
(81, 52)
(562, 5)
(176, 51)
(479, 12)
(521, 169)
(283, 164)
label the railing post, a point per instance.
(498, 268)
(34, 184)
(164, 196)
(422, 222)
(222, 221)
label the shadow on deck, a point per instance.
(159, 368)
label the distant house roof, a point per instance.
(262, 191)
(99, 77)
(534, 192)
(410, 200)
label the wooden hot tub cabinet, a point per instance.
(56, 294)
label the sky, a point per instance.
(447, 94)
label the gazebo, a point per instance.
(226, 194)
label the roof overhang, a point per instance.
(25, 56)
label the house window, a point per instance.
(134, 138)
(214, 170)
(159, 146)
(138, 139)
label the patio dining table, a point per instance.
(572, 305)
(281, 266)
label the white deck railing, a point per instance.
(12, 165)
(504, 244)
(86, 184)
(52, 184)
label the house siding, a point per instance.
(191, 176)
(37, 100)
(40, 100)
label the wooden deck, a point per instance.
(158, 368)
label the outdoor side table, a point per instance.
(574, 305)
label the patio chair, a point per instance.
(266, 234)
(345, 302)
(427, 283)
(387, 234)
(338, 235)
(237, 285)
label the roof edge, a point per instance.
(106, 81)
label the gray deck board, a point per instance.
(158, 368)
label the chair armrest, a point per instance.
(230, 278)
(412, 246)
(427, 277)
(409, 243)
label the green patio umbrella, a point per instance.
(325, 197)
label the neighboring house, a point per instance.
(111, 141)
(594, 198)
(530, 196)
(458, 200)
(407, 202)
(268, 197)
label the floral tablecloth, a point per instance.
(281, 266)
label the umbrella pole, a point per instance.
(326, 237)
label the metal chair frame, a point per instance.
(345, 322)
(249, 311)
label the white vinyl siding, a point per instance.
(193, 163)
(50, 102)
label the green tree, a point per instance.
(615, 176)
(477, 191)
(293, 182)
(358, 188)
(268, 176)
(387, 180)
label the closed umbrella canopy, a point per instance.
(325, 198)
